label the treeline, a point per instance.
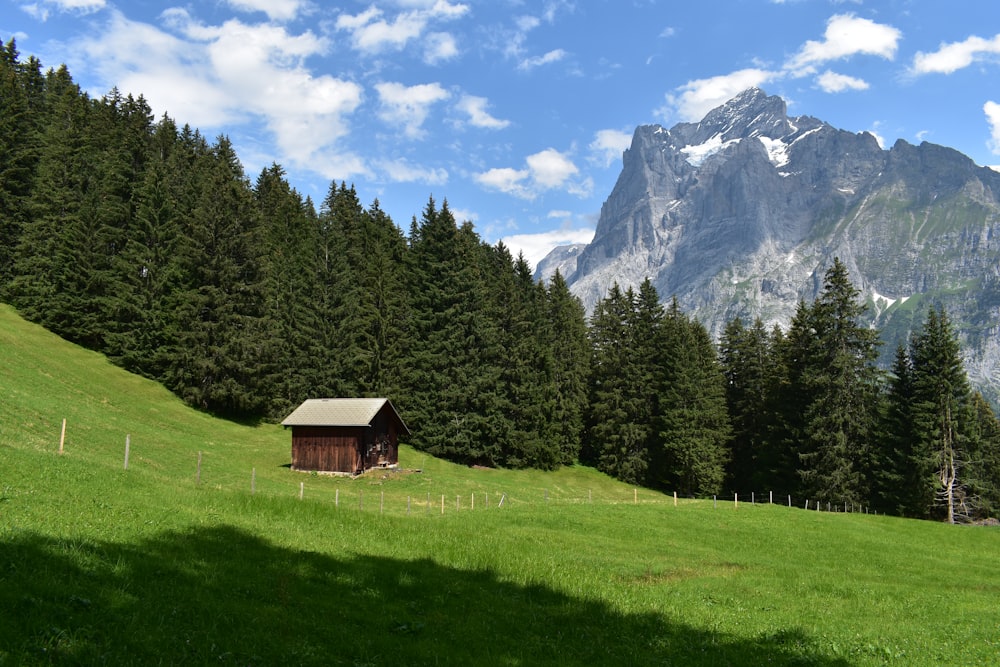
(147, 242)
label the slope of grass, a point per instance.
(104, 565)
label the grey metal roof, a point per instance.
(339, 412)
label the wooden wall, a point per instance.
(327, 449)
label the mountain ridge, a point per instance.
(739, 215)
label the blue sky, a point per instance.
(517, 112)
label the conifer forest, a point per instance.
(147, 242)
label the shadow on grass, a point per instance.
(222, 596)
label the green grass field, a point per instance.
(150, 565)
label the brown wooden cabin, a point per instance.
(345, 435)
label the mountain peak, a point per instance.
(753, 112)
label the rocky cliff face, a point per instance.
(742, 213)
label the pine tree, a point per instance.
(942, 419)
(895, 480)
(147, 269)
(693, 422)
(619, 424)
(570, 354)
(832, 370)
(222, 346)
(984, 464)
(749, 368)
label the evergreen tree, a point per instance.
(570, 354)
(984, 466)
(619, 424)
(222, 347)
(693, 423)
(748, 366)
(832, 370)
(943, 420)
(289, 235)
(21, 100)
(147, 269)
(894, 476)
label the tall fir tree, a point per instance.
(619, 424)
(833, 371)
(748, 365)
(222, 350)
(570, 353)
(943, 421)
(693, 421)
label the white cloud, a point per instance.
(550, 168)
(276, 10)
(992, 111)
(955, 56)
(535, 247)
(475, 107)
(831, 82)
(551, 57)
(846, 35)
(508, 180)
(371, 33)
(546, 170)
(401, 171)
(608, 146)
(409, 106)
(42, 10)
(696, 98)
(440, 46)
(226, 75)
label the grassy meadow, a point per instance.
(436, 564)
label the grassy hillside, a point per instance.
(99, 564)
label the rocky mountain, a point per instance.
(742, 213)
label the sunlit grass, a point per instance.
(104, 565)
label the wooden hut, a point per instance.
(345, 435)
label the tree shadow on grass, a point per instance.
(222, 596)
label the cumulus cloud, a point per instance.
(225, 75)
(831, 82)
(475, 108)
(372, 33)
(409, 105)
(847, 35)
(608, 146)
(992, 111)
(546, 170)
(955, 56)
(696, 98)
(276, 10)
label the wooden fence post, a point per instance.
(336, 498)
(302, 490)
(62, 436)
(635, 496)
(253, 481)
(736, 500)
(128, 445)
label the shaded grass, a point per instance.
(103, 565)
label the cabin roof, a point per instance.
(340, 412)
